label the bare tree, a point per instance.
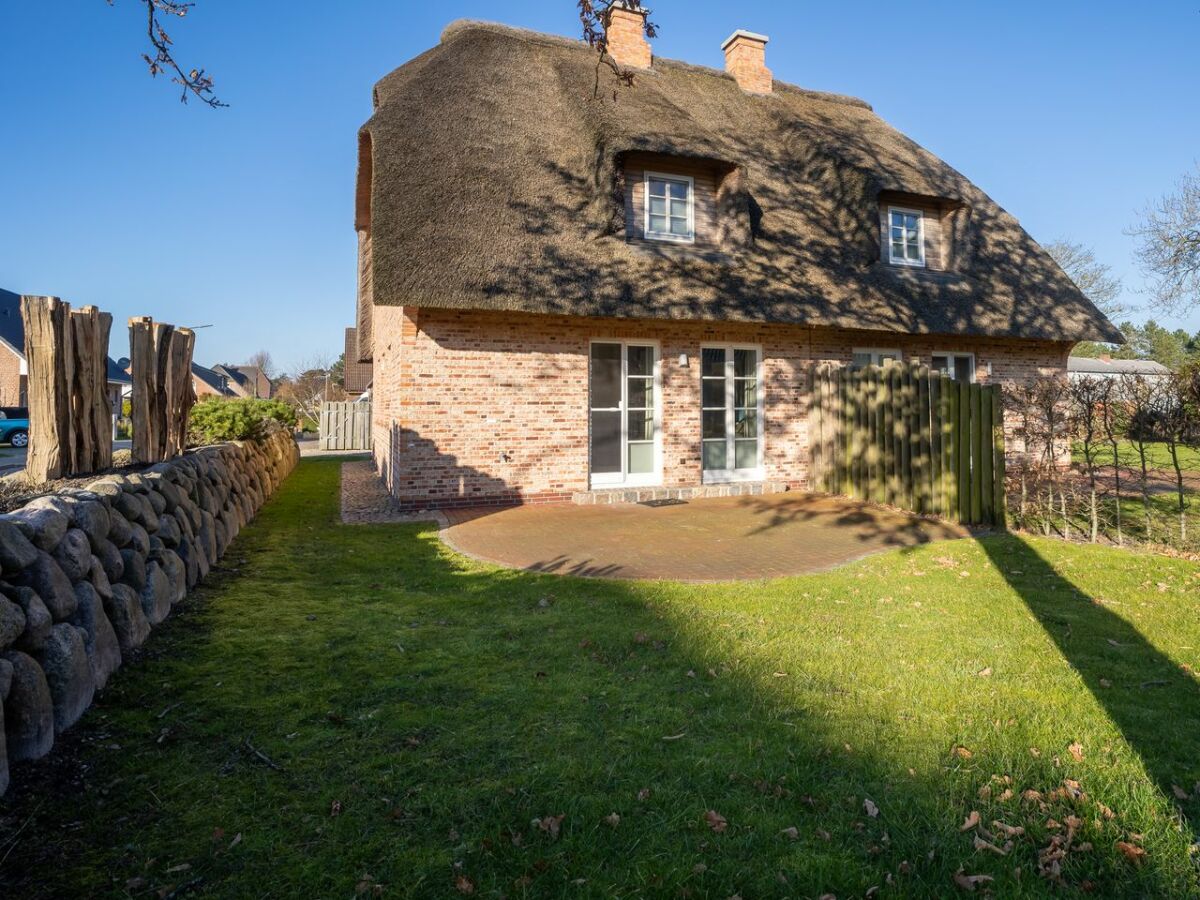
(1052, 423)
(1115, 421)
(1169, 253)
(1094, 278)
(262, 359)
(1178, 425)
(311, 386)
(1089, 397)
(193, 82)
(1142, 397)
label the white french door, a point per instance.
(624, 420)
(731, 413)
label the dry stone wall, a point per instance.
(86, 574)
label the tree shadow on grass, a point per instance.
(1153, 700)
(444, 706)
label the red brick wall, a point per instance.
(11, 380)
(482, 405)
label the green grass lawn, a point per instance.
(1158, 456)
(423, 722)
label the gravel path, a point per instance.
(365, 501)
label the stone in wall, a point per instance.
(86, 574)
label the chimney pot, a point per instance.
(746, 61)
(625, 33)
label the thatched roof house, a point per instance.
(507, 183)
(491, 177)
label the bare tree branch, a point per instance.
(1094, 278)
(593, 19)
(194, 82)
(1169, 254)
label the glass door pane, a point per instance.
(639, 392)
(605, 385)
(713, 431)
(731, 398)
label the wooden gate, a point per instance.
(345, 426)
(911, 438)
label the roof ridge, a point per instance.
(460, 26)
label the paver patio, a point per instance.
(716, 539)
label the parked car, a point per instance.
(14, 425)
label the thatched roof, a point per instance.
(490, 175)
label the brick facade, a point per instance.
(478, 407)
(12, 382)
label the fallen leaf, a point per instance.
(1180, 793)
(969, 882)
(792, 833)
(464, 885)
(643, 794)
(335, 808)
(1105, 683)
(550, 824)
(971, 821)
(1131, 852)
(985, 673)
(182, 867)
(963, 752)
(871, 809)
(715, 821)
(1008, 830)
(823, 834)
(981, 844)
(1076, 751)
(612, 820)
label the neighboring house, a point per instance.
(13, 371)
(565, 293)
(246, 381)
(356, 376)
(13, 367)
(210, 383)
(1107, 367)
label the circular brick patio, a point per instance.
(727, 538)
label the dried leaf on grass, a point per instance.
(715, 821)
(970, 882)
(550, 824)
(971, 821)
(1131, 852)
(871, 809)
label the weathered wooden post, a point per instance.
(50, 361)
(162, 398)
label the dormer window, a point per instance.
(907, 236)
(670, 213)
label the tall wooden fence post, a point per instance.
(162, 397)
(49, 362)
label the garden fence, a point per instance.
(345, 426)
(909, 437)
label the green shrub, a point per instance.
(217, 419)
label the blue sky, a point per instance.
(1072, 115)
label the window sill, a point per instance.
(737, 476)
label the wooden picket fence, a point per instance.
(345, 426)
(908, 437)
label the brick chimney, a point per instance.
(746, 61)
(626, 34)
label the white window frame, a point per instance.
(623, 478)
(903, 261)
(951, 354)
(727, 475)
(691, 204)
(876, 353)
